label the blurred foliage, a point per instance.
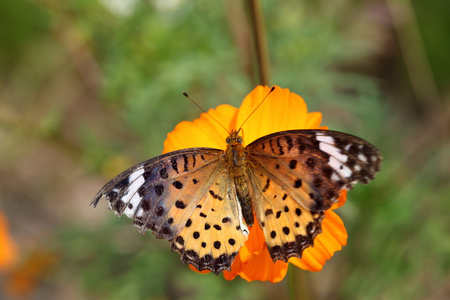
(89, 88)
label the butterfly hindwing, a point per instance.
(298, 174)
(289, 228)
(214, 233)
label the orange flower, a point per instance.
(283, 110)
(8, 249)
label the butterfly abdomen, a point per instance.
(236, 161)
(241, 183)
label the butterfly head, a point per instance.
(234, 138)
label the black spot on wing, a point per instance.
(159, 211)
(194, 160)
(289, 142)
(180, 204)
(180, 240)
(177, 184)
(186, 163)
(293, 164)
(268, 212)
(174, 163)
(145, 204)
(215, 196)
(280, 147)
(159, 189)
(163, 173)
(267, 185)
(217, 244)
(297, 183)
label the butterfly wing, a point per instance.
(177, 196)
(214, 232)
(296, 175)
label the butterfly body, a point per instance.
(237, 163)
(204, 200)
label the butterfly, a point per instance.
(203, 200)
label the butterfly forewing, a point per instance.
(314, 165)
(298, 174)
(161, 193)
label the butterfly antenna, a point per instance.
(271, 90)
(201, 108)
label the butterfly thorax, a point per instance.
(235, 158)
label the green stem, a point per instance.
(297, 284)
(260, 41)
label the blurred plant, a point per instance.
(8, 248)
(100, 88)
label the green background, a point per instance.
(91, 87)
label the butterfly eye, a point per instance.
(239, 139)
(228, 140)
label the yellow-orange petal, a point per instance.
(256, 241)
(258, 267)
(201, 272)
(8, 248)
(282, 110)
(341, 199)
(332, 238)
(204, 131)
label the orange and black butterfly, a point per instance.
(204, 200)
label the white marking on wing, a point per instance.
(333, 151)
(135, 200)
(244, 228)
(132, 195)
(140, 212)
(325, 138)
(362, 157)
(336, 165)
(335, 177)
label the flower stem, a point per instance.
(260, 41)
(297, 285)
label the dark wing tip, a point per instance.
(96, 199)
